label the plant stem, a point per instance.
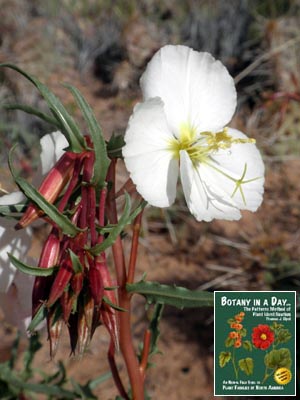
(134, 246)
(115, 372)
(145, 354)
(126, 343)
(234, 366)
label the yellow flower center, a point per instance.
(201, 147)
(263, 336)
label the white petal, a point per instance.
(12, 198)
(233, 163)
(194, 87)
(16, 243)
(204, 204)
(146, 155)
(53, 145)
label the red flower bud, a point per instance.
(61, 280)
(48, 258)
(77, 283)
(66, 301)
(54, 326)
(51, 187)
(108, 314)
(84, 332)
(96, 283)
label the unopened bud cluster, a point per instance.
(80, 291)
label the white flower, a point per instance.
(181, 128)
(16, 287)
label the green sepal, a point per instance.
(69, 127)
(115, 232)
(176, 296)
(115, 145)
(34, 111)
(29, 270)
(49, 209)
(38, 318)
(101, 159)
(76, 264)
(112, 305)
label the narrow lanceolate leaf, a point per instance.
(115, 232)
(70, 128)
(12, 210)
(101, 158)
(34, 111)
(29, 270)
(136, 212)
(40, 315)
(154, 327)
(49, 209)
(172, 295)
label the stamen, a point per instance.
(208, 143)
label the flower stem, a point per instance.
(126, 343)
(115, 372)
(134, 246)
(234, 365)
(145, 354)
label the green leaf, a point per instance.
(12, 210)
(38, 318)
(278, 358)
(247, 345)
(112, 305)
(154, 327)
(34, 111)
(224, 358)
(229, 342)
(34, 346)
(49, 209)
(172, 295)
(115, 145)
(283, 336)
(243, 332)
(92, 384)
(246, 365)
(115, 232)
(68, 124)
(101, 160)
(136, 212)
(76, 264)
(83, 391)
(29, 270)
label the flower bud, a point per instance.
(48, 258)
(51, 187)
(108, 314)
(61, 280)
(96, 283)
(54, 326)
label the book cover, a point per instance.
(255, 343)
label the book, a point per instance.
(255, 343)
